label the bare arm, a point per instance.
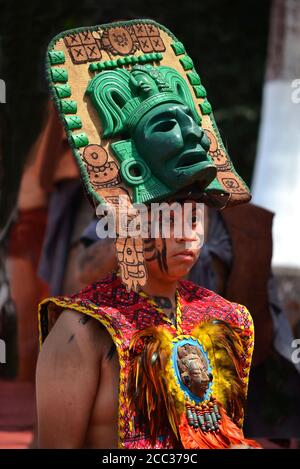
(67, 379)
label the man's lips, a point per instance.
(186, 253)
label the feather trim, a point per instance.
(156, 398)
(224, 346)
(228, 435)
(148, 390)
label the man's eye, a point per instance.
(164, 126)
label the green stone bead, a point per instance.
(208, 420)
(201, 419)
(215, 420)
(195, 419)
(189, 416)
(205, 107)
(73, 122)
(178, 48)
(63, 91)
(194, 78)
(80, 140)
(93, 67)
(68, 106)
(59, 75)
(200, 91)
(186, 62)
(57, 57)
(213, 416)
(216, 410)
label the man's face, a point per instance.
(174, 146)
(171, 258)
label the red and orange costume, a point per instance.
(132, 319)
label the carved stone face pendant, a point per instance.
(193, 369)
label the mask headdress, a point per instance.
(109, 92)
(123, 97)
(122, 91)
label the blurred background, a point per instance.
(248, 56)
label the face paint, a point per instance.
(156, 250)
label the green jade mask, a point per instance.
(165, 149)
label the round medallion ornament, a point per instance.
(118, 41)
(192, 368)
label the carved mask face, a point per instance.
(193, 369)
(174, 146)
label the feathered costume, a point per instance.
(156, 408)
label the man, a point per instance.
(87, 416)
(78, 369)
(141, 359)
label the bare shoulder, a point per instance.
(67, 379)
(74, 337)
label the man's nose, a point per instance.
(187, 235)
